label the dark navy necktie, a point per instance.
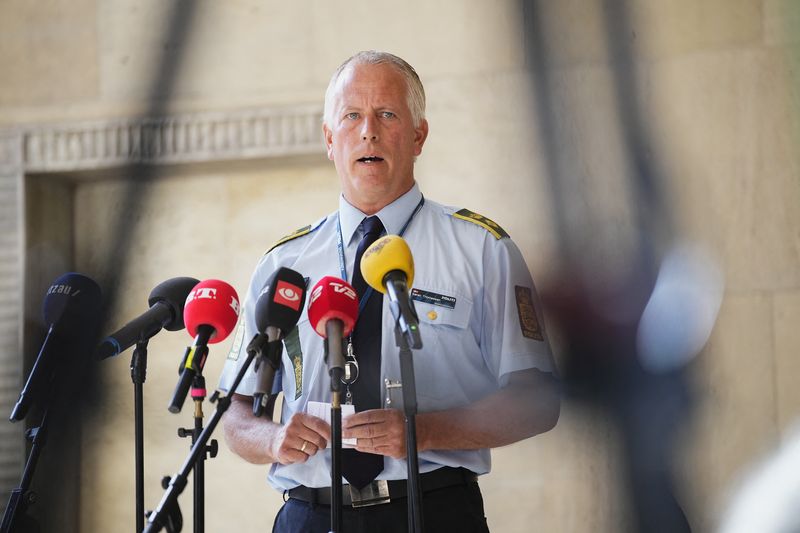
(360, 468)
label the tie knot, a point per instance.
(373, 227)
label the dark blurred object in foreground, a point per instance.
(627, 346)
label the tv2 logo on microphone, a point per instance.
(210, 293)
(337, 288)
(288, 295)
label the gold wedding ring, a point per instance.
(303, 447)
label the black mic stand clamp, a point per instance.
(171, 515)
(269, 355)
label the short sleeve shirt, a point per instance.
(480, 320)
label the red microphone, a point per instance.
(211, 304)
(332, 311)
(210, 314)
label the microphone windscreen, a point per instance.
(212, 303)
(173, 293)
(72, 301)
(281, 301)
(385, 255)
(332, 298)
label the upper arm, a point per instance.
(541, 391)
(513, 338)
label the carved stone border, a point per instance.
(104, 144)
(247, 134)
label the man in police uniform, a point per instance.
(484, 376)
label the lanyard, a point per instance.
(340, 247)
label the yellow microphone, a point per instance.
(387, 254)
(388, 267)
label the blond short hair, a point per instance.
(415, 93)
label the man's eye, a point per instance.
(352, 116)
(387, 114)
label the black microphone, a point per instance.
(71, 311)
(166, 311)
(278, 309)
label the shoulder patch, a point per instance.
(305, 230)
(489, 225)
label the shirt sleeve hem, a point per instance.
(525, 361)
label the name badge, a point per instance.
(433, 298)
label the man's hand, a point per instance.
(379, 431)
(300, 438)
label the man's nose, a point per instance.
(369, 130)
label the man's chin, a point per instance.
(372, 174)
(372, 194)
(371, 183)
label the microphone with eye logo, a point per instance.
(278, 309)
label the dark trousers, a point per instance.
(458, 508)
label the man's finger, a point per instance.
(366, 431)
(371, 416)
(310, 428)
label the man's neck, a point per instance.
(370, 208)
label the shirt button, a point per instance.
(432, 315)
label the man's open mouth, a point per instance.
(370, 159)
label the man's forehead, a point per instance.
(374, 79)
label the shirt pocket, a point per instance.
(446, 339)
(437, 315)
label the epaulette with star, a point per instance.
(489, 225)
(305, 230)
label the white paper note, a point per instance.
(323, 410)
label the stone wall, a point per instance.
(221, 101)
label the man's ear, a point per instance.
(420, 134)
(328, 134)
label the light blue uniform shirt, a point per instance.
(476, 323)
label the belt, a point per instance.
(382, 491)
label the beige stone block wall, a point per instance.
(207, 224)
(40, 48)
(786, 316)
(734, 173)
(718, 87)
(736, 416)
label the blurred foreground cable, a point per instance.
(629, 331)
(626, 351)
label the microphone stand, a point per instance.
(21, 496)
(415, 523)
(336, 459)
(406, 336)
(336, 365)
(138, 377)
(198, 393)
(14, 518)
(161, 516)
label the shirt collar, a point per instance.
(393, 216)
